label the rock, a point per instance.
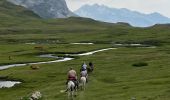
(46, 8)
(35, 67)
(36, 95)
(133, 98)
(39, 48)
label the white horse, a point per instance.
(83, 82)
(71, 89)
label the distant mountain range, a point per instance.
(46, 8)
(113, 15)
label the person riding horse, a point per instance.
(84, 74)
(72, 76)
(83, 71)
(91, 67)
(83, 67)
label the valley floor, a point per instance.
(120, 74)
(114, 77)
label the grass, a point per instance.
(114, 77)
(24, 53)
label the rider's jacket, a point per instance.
(83, 73)
(84, 67)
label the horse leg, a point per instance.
(84, 83)
(75, 91)
(81, 85)
(69, 90)
(72, 93)
(68, 94)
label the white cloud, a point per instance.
(145, 6)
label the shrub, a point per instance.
(140, 64)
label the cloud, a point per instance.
(144, 6)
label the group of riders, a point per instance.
(84, 70)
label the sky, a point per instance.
(144, 6)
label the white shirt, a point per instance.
(83, 73)
(84, 66)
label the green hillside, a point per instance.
(118, 74)
(14, 14)
(11, 10)
(18, 21)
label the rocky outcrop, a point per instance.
(46, 8)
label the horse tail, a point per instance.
(72, 88)
(83, 81)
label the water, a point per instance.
(32, 43)
(9, 66)
(83, 43)
(49, 56)
(59, 59)
(92, 52)
(47, 62)
(8, 84)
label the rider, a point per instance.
(91, 66)
(84, 74)
(83, 67)
(83, 71)
(72, 76)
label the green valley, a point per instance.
(114, 77)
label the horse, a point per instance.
(83, 82)
(71, 89)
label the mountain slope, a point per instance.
(46, 8)
(9, 10)
(12, 15)
(113, 15)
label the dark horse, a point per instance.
(91, 67)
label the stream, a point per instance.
(8, 84)
(59, 59)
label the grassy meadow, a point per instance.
(115, 77)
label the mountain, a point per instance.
(12, 15)
(9, 10)
(113, 15)
(46, 8)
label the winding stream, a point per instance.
(91, 53)
(59, 59)
(63, 59)
(8, 84)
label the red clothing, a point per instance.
(71, 78)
